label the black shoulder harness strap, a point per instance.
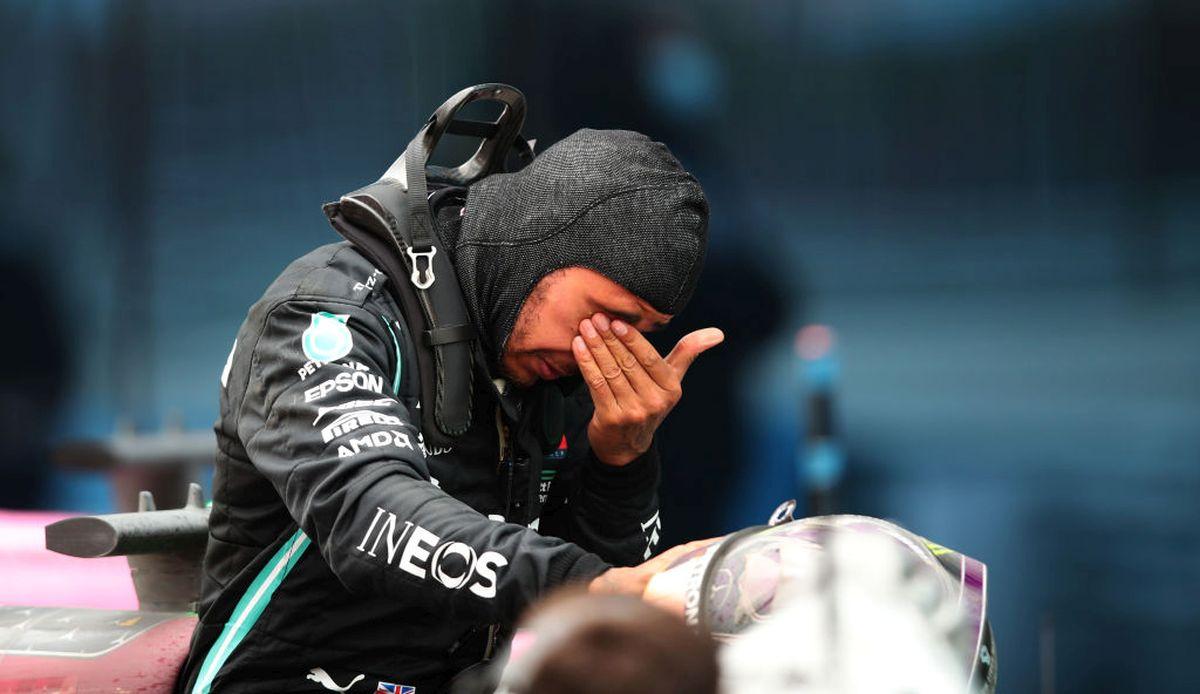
(390, 223)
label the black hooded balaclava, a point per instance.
(609, 200)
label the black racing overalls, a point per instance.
(343, 555)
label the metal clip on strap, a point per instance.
(416, 267)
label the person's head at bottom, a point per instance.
(578, 643)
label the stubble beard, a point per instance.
(527, 317)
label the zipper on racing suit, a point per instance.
(504, 462)
(504, 466)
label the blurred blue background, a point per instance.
(995, 205)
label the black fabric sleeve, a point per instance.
(344, 456)
(610, 510)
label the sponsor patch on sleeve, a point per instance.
(327, 338)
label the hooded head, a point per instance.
(612, 202)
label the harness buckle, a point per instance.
(416, 272)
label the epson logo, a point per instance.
(344, 382)
(453, 564)
(352, 421)
(379, 439)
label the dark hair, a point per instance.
(622, 644)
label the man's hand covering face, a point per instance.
(609, 200)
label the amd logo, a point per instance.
(378, 439)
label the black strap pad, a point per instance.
(446, 367)
(391, 223)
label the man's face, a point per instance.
(539, 347)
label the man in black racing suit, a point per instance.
(347, 555)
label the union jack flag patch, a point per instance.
(389, 688)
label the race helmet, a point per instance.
(838, 604)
